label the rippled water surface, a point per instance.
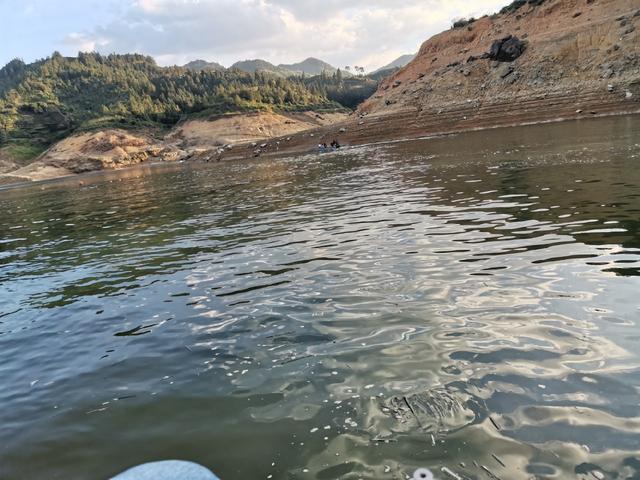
(469, 303)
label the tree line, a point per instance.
(60, 94)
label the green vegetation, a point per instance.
(23, 151)
(45, 101)
(348, 92)
(310, 66)
(463, 22)
(517, 4)
(49, 99)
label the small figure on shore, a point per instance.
(335, 144)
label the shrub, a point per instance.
(462, 22)
(517, 4)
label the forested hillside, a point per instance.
(49, 99)
(348, 92)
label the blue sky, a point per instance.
(369, 33)
(32, 29)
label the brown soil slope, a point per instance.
(582, 58)
(88, 152)
(573, 46)
(255, 127)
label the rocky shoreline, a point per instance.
(419, 123)
(370, 129)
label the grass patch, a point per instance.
(23, 152)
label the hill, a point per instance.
(258, 65)
(195, 139)
(397, 63)
(199, 65)
(52, 98)
(348, 91)
(310, 66)
(574, 50)
(391, 68)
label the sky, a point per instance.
(367, 33)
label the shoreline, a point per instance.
(415, 124)
(299, 148)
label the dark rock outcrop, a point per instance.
(507, 49)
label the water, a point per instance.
(469, 302)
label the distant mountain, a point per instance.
(380, 75)
(397, 63)
(198, 65)
(252, 66)
(310, 66)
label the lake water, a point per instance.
(469, 302)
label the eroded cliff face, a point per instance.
(572, 46)
(246, 128)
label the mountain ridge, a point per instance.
(199, 65)
(398, 63)
(257, 64)
(309, 66)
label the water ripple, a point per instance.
(466, 304)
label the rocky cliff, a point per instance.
(571, 49)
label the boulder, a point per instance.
(507, 49)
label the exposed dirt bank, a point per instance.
(258, 127)
(200, 140)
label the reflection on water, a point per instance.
(467, 303)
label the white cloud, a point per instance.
(80, 42)
(343, 32)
